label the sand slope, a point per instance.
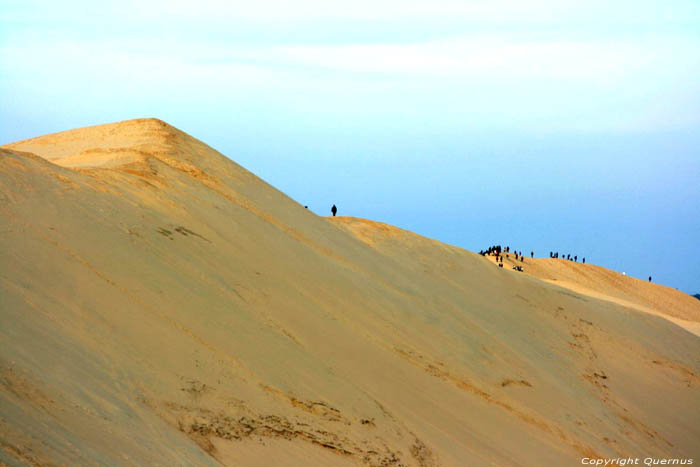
(596, 281)
(161, 305)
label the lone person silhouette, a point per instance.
(334, 210)
(649, 278)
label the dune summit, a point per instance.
(159, 304)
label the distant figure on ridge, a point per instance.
(649, 278)
(334, 210)
(584, 260)
(532, 254)
(575, 258)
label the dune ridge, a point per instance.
(161, 304)
(599, 282)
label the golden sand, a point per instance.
(159, 304)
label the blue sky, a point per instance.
(545, 125)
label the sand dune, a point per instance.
(159, 304)
(599, 282)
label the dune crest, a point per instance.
(161, 304)
(587, 279)
(110, 145)
(599, 282)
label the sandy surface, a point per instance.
(161, 305)
(595, 281)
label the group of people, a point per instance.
(555, 254)
(496, 251)
(492, 250)
(499, 252)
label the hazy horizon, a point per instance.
(547, 127)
